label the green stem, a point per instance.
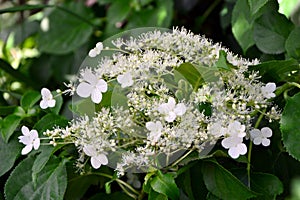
(119, 181)
(209, 10)
(183, 157)
(250, 149)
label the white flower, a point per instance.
(47, 99)
(30, 139)
(155, 129)
(235, 145)
(97, 159)
(268, 90)
(171, 110)
(125, 80)
(92, 86)
(261, 136)
(235, 128)
(97, 50)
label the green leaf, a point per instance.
(268, 185)
(191, 74)
(42, 159)
(29, 99)
(78, 185)
(9, 153)
(165, 184)
(292, 44)
(51, 182)
(287, 7)
(255, 5)
(85, 106)
(23, 8)
(69, 28)
(222, 183)
(290, 128)
(9, 125)
(50, 121)
(6, 110)
(271, 31)
(242, 25)
(278, 70)
(222, 62)
(156, 196)
(58, 103)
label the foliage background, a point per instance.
(44, 42)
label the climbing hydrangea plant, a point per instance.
(161, 96)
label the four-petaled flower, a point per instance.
(267, 91)
(171, 110)
(47, 99)
(97, 159)
(235, 145)
(155, 129)
(261, 136)
(125, 80)
(97, 50)
(30, 139)
(91, 86)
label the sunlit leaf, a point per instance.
(271, 31)
(165, 184)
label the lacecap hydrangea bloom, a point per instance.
(161, 95)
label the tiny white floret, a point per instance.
(125, 80)
(91, 86)
(97, 159)
(171, 110)
(47, 99)
(261, 136)
(97, 50)
(30, 139)
(268, 90)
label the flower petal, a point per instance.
(84, 89)
(257, 140)
(234, 152)
(26, 149)
(45, 93)
(101, 85)
(266, 132)
(265, 142)
(36, 143)
(93, 53)
(95, 163)
(25, 139)
(180, 109)
(44, 104)
(96, 96)
(89, 150)
(51, 103)
(25, 130)
(170, 117)
(103, 159)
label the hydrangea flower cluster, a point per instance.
(162, 94)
